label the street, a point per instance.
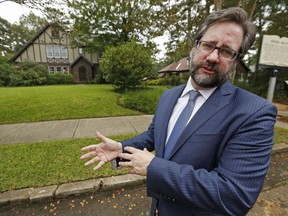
(133, 201)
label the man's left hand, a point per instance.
(138, 160)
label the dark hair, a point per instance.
(236, 15)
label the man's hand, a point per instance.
(138, 160)
(103, 152)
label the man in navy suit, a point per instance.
(218, 164)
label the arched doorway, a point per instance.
(82, 74)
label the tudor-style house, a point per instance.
(52, 47)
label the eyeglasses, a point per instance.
(224, 53)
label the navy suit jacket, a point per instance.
(219, 163)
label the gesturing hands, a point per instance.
(103, 152)
(138, 160)
(109, 149)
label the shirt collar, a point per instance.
(204, 92)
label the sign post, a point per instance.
(272, 83)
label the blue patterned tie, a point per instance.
(181, 123)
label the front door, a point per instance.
(82, 74)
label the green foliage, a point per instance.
(144, 100)
(109, 23)
(126, 66)
(99, 78)
(260, 85)
(59, 78)
(14, 36)
(5, 70)
(173, 80)
(28, 74)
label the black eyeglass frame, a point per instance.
(237, 55)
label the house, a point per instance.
(178, 68)
(181, 67)
(52, 47)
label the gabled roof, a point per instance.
(23, 48)
(79, 58)
(180, 66)
(170, 68)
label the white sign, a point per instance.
(274, 51)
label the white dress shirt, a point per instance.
(182, 101)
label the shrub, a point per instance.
(126, 66)
(28, 74)
(142, 100)
(5, 70)
(59, 78)
(173, 80)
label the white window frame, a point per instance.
(56, 51)
(64, 52)
(58, 69)
(49, 51)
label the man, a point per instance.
(217, 165)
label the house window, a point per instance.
(58, 69)
(56, 51)
(49, 51)
(65, 70)
(51, 70)
(64, 53)
(55, 33)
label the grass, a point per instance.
(281, 135)
(48, 163)
(142, 100)
(44, 103)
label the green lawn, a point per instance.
(48, 163)
(43, 103)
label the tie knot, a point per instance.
(193, 95)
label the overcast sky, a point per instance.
(12, 11)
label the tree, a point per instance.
(14, 36)
(125, 66)
(181, 20)
(5, 32)
(100, 23)
(5, 70)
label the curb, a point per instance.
(67, 189)
(87, 186)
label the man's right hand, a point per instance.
(103, 152)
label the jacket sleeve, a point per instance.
(233, 186)
(143, 140)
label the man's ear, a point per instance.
(192, 52)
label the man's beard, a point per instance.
(207, 81)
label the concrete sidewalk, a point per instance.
(68, 129)
(77, 128)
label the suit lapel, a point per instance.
(219, 99)
(168, 106)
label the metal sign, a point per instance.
(274, 51)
